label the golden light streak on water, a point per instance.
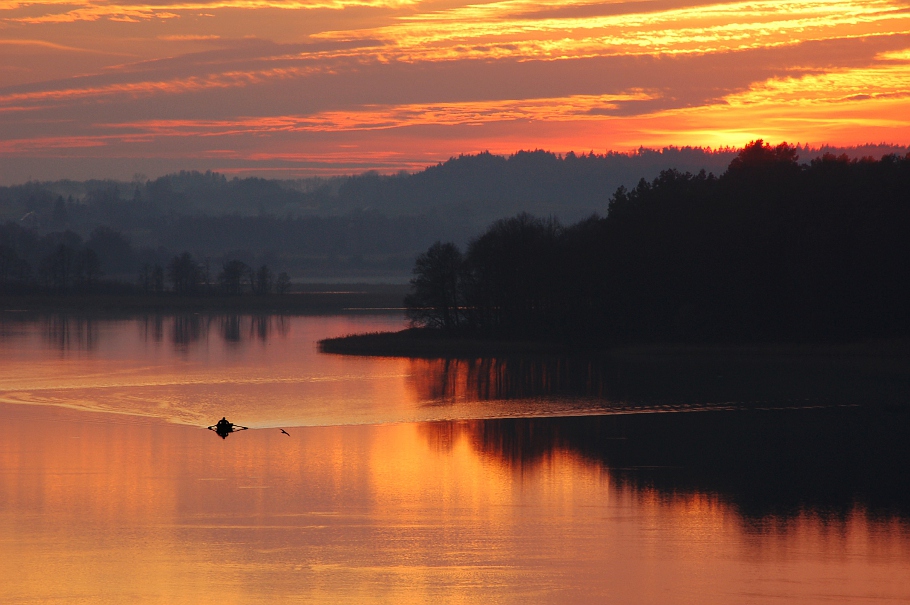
(94, 508)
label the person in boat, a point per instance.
(225, 427)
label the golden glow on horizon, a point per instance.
(889, 79)
(263, 80)
(885, 87)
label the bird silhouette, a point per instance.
(285, 432)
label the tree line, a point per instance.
(189, 277)
(62, 263)
(771, 250)
(366, 225)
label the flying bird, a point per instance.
(285, 432)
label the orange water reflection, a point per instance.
(257, 370)
(193, 369)
(265, 371)
(632, 381)
(95, 508)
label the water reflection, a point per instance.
(70, 333)
(152, 328)
(485, 379)
(499, 511)
(766, 463)
(258, 369)
(238, 329)
(673, 381)
(73, 332)
(189, 329)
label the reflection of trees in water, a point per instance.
(240, 328)
(767, 463)
(73, 332)
(652, 380)
(506, 378)
(230, 328)
(67, 332)
(261, 326)
(187, 329)
(152, 327)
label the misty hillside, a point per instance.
(367, 226)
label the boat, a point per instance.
(224, 427)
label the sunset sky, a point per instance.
(91, 88)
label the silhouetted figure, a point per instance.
(224, 427)
(285, 432)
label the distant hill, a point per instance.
(351, 226)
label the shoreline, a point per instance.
(422, 343)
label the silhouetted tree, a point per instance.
(513, 281)
(769, 251)
(435, 300)
(760, 157)
(184, 273)
(231, 277)
(262, 281)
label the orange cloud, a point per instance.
(63, 11)
(402, 81)
(145, 88)
(493, 30)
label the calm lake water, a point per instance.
(433, 481)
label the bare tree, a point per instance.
(435, 298)
(262, 280)
(184, 273)
(231, 277)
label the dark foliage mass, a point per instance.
(766, 463)
(367, 225)
(771, 250)
(63, 263)
(363, 226)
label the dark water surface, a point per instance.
(775, 485)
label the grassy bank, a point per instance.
(328, 299)
(419, 342)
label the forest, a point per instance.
(344, 228)
(769, 251)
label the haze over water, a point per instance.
(110, 490)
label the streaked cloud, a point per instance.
(502, 29)
(189, 37)
(375, 82)
(66, 11)
(148, 87)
